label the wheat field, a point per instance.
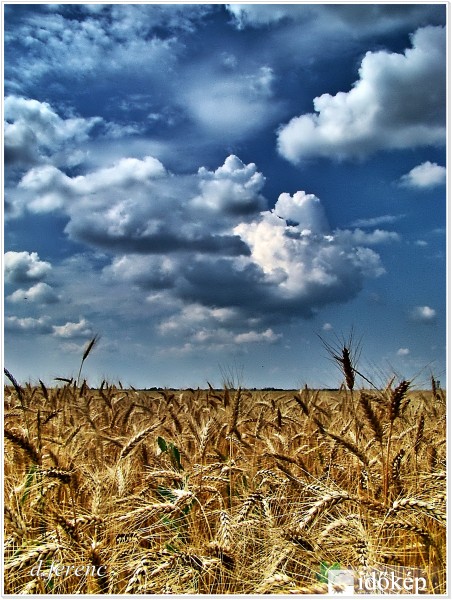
(220, 491)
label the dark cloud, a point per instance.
(212, 242)
(137, 206)
(355, 20)
(220, 284)
(163, 242)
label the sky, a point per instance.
(218, 191)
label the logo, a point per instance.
(385, 580)
(341, 581)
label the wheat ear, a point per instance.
(139, 437)
(20, 440)
(326, 502)
(424, 507)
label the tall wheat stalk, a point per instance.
(86, 353)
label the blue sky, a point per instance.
(212, 187)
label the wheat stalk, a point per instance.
(326, 502)
(255, 499)
(43, 552)
(420, 505)
(372, 419)
(23, 442)
(86, 353)
(139, 437)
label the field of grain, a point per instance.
(220, 491)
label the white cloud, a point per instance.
(353, 19)
(148, 272)
(232, 188)
(111, 41)
(360, 237)
(375, 221)
(48, 189)
(305, 210)
(126, 172)
(260, 15)
(203, 240)
(41, 293)
(403, 352)
(34, 132)
(255, 337)
(397, 102)
(423, 314)
(126, 207)
(327, 327)
(426, 175)
(72, 330)
(215, 327)
(27, 324)
(302, 261)
(21, 267)
(230, 105)
(198, 318)
(72, 348)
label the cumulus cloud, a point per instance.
(302, 209)
(147, 272)
(28, 325)
(48, 189)
(41, 293)
(73, 329)
(425, 175)
(197, 317)
(236, 256)
(204, 240)
(127, 207)
(303, 261)
(423, 314)
(214, 328)
(34, 132)
(23, 267)
(233, 188)
(397, 102)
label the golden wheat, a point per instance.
(220, 491)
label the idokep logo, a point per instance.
(392, 580)
(385, 580)
(341, 581)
